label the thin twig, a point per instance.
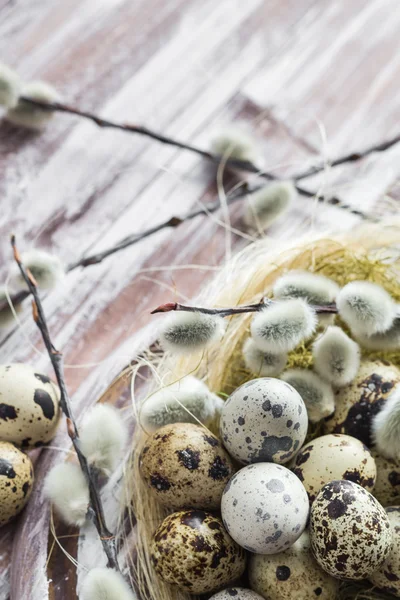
(95, 511)
(236, 310)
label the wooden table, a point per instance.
(312, 79)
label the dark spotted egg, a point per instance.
(185, 466)
(264, 420)
(291, 575)
(29, 406)
(16, 479)
(334, 456)
(349, 530)
(265, 508)
(192, 550)
(236, 593)
(387, 485)
(387, 577)
(358, 402)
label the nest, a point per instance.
(370, 253)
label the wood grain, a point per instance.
(312, 78)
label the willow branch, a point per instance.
(236, 310)
(95, 506)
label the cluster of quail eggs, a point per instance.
(29, 415)
(294, 495)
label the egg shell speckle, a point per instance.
(265, 508)
(16, 480)
(350, 531)
(387, 577)
(236, 593)
(186, 466)
(264, 420)
(292, 574)
(29, 406)
(360, 401)
(334, 456)
(192, 550)
(387, 485)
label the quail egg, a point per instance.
(264, 420)
(349, 530)
(387, 485)
(362, 399)
(192, 550)
(235, 593)
(29, 406)
(186, 466)
(265, 508)
(292, 574)
(16, 479)
(334, 456)
(387, 577)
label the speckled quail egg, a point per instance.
(387, 485)
(387, 577)
(192, 550)
(264, 420)
(291, 575)
(186, 466)
(236, 593)
(334, 456)
(29, 406)
(16, 479)
(349, 530)
(359, 402)
(265, 508)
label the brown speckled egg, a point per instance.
(186, 466)
(334, 456)
(236, 593)
(387, 577)
(291, 575)
(16, 479)
(387, 485)
(192, 550)
(360, 401)
(349, 530)
(29, 406)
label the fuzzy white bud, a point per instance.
(282, 326)
(389, 340)
(260, 363)
(316, 289)
(46, 268)
(10, 86)
(386, 427)
(234, 142)
(336, 357)
(366, 307)
(102, 437)
(266, 205)
(181, 402)
(27, 115)
(105, 584)
(317, 394)
(185, 332)
(66, 487)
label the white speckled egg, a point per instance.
(264, 420)
(334, 456)
(29, 406)
(387, 577)
(192, 550)
(350, 531)
(16, 479)
(387, 485)
(265, 508)
(291, 575)
(362, 399)
(236, 593)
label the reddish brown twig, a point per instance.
(95, 511)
